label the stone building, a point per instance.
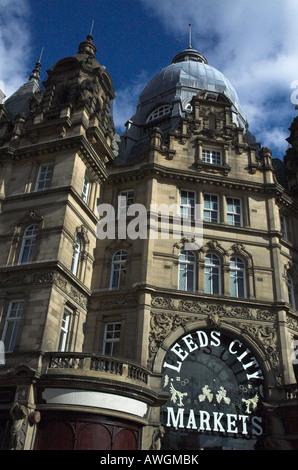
(124, 328)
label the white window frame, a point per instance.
(85, 189)
(119, 266)
(43, 182)
(212, 156)
(186, 266)
(210, 209)
(212, 269)
(29, 242)
(234, 212)
(159, 112)
(14, 320)
(187, 210)
(125, 199)
(238, 273)
(76, 256)
(112, 334)
(64, 330)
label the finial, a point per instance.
(189, 42)
(91, 28)
(41, 54)
(35, 75)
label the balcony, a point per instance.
(102, 373)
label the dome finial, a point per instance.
(189, 41)
(87, 46)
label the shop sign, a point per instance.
(215, 386)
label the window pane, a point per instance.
(111, 343)
(44, 176)
(118, 268)
(12, 323)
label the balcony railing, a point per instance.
(96, 363)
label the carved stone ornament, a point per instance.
(31, 217)
(19, 415)
(40, 278)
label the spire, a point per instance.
(87, 46)
(189, 54)
(35, 75)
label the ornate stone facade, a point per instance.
(88, 323)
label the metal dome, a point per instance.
(193, 75)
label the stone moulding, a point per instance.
(43, 278)
(168, 314)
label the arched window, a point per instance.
(76, 256)
(119, 262)
(186, 271)
(159, 112)
(291, 291)
(237, 277)
(28, 244)
(212, 274)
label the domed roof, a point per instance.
(191, 71)
(167, 96)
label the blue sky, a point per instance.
(254, 43)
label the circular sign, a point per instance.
(215, 387)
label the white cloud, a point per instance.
(15, 48)
(254, 43)
(126, 100)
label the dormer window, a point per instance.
(211, 156)
(159, 112)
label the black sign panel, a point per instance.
(216, 386)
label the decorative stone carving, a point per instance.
(157, 435)
(19, 414)
(43, 278)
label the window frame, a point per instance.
(115, 338)
(186, 267)
(65, 330)
(47, 180)
(210, 210)
(118, 266)
(188, 205)
(283, 226)
(86, 189)
(212, 267)
(76, 255)
(159, 112)
(15, 320)
(122, 208)
(32, 240)
(237, 271)
(291, 292)
(234, 213)
(211, 156)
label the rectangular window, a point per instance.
(211, 208)
(64, 329)
(111, 340)
(85, 189)
(283, 226)
(12, 323)
(187, 204)
(44, 176)
(234, 211)
(125, 199)
(211, 156)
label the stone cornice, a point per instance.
(43, 274)
(79, 143)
